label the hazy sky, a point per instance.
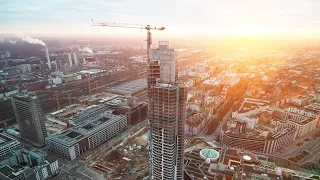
(179, 16)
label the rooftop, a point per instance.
(228, 160)
(256, 133)
(4, 139)
(212, 82)
(92, 71)
(81, 130)
(251, 104)
(90, 126)
(196, 119)
(24, 96)
(7, 171)
(130, 87)
(209, 153)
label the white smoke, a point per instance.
(31, 40)
(24, 38)
(86, 49)
(89, 50)
(12, 42)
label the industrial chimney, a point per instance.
(48, 58)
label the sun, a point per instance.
(247, 31)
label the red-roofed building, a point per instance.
(195, 123)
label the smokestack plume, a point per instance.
(24, 38)
(48, 58)
(86, 49)
(12, 42)
(31, 40)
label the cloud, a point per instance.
(1, 40)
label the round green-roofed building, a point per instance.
(210, 155)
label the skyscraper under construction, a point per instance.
(167, 105)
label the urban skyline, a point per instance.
(160, 90)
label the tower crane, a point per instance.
(134, 26)
(57, 93)
(88, 76)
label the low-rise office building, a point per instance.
(24, 164)
(89, 112)
(88, 135)
(134, 114)
(7, 144)
(135, 111)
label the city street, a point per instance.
(226, 117)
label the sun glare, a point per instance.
(247, 31)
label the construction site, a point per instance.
(86, 107)
(89, 96)
(51, 99)
(80, 103)
(128, 161)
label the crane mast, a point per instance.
(149, 42)
(135, 26)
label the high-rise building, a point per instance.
(167, 105)
(31, 121)
(70, 59)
